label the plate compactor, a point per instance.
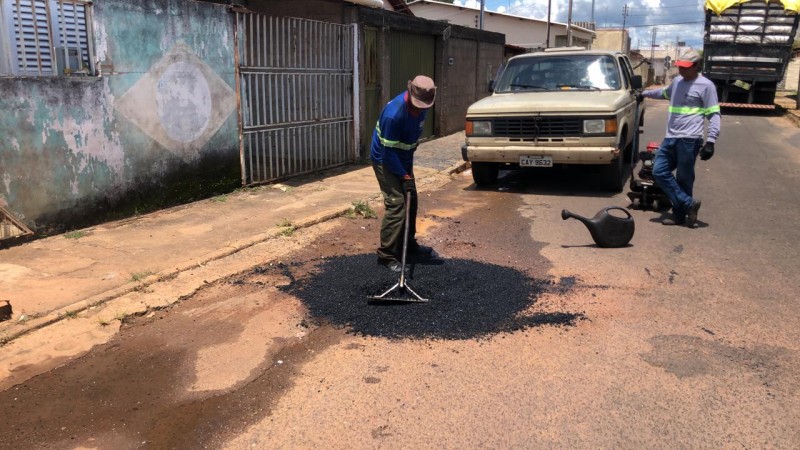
(644, 192)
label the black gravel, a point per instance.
(468, 299)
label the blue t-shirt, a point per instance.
(395, 137)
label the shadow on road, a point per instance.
(580, 181)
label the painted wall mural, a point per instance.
(180, 102)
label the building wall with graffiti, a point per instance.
(150, 122)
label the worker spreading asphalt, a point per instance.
(468, 299)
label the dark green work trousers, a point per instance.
(392, 226)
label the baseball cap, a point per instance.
(422, 91)
(688, 59)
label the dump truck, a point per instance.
(747, 47)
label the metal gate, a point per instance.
(297, 82)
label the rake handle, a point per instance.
(405, 240)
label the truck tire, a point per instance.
(484, 173)
(614, 175)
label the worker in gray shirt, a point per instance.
(692, 100)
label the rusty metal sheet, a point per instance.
(11, 227)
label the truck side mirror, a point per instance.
(636, 82)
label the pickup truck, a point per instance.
(559, 106)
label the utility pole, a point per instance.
(653, 52)
(653, 44)
(625, 11)
(549, 5)
(569, 25)
(593, 24)
(483, 4)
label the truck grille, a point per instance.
(537, 127)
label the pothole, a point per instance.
(468, 299)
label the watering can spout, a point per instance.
(607, 230)
(566, 214)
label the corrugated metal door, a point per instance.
(297, 90)
(372, 87)
(412, 55)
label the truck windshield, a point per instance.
(557, 72)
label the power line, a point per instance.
(666, 24)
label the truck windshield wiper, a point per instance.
(528, 86)
(573, 86)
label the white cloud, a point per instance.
(667, 16)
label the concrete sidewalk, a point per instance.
(55, 278)
(787, 105)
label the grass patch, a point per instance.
(139, 276)
(71, 314)
(103, 322)
(121, 316)
(287, 227)
(220, 198)
(361, 209)
(287, 231)
(75, 235)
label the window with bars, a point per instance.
(46, 37)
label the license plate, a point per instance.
(536, 161)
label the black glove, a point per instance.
(409, 185)
(639, 98)
(707, 151)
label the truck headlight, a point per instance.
(594, 126)
(600, 126)
(479, 128)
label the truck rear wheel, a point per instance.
(484, 173)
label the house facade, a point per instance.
(520, 31)
(123, 106)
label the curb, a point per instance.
(791, 114)
(458, 168)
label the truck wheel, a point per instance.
(484, 173)
(614, 175)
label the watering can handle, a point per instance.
(621, 209)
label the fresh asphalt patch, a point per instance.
(468, 299)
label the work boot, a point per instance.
(391, 264)
(691, 214)
(396, 267)
(669, 221)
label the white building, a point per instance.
(520, 31)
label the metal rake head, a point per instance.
(400, 293)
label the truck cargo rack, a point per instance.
(746, 51)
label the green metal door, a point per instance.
(412, 55)
(372, 88)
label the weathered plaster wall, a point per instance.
(158, 126)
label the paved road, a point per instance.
(687, 338)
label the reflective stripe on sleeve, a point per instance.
(394, 144)
(688, 110)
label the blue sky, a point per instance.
(673, 19)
